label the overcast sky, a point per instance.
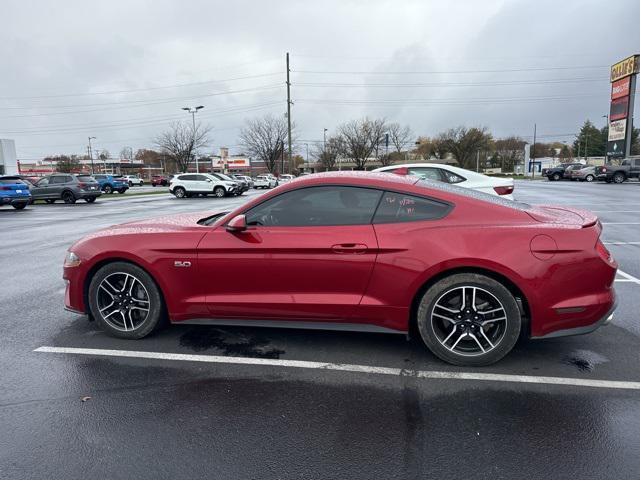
(121, 70)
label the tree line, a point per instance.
(362, 142)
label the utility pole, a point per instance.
(478, 161)
(533, 153)
(289, 114)
(91, 154)
(586, 146)
(307, 162)
(606, 157)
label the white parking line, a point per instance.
(621, 243)
(427, 374)
(628, 278)
(620, 223)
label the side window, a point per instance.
(57, 179)
(637, 162)
(316, 206)
(451, 177)
(188, 178)
(42, 183)
(201, 178)
(427, 173)
(399, 207)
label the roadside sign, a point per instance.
(615, 149)
(620, 88)
(619, 108)
(624, 68)
(617, 130)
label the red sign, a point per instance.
(620, 88)
(619, 109)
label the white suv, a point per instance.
(265, 181)
(133, 180)
(193, 184)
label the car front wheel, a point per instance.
(90, 199)
(556, 177)
(219, 192)
(590, 178)
(179, 192)
(469, 320)
(108, 189)
(125, 301)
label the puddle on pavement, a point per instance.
(585, 360)
(231, 343)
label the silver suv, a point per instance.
(66, 187)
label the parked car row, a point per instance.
(19, 191)
(628, 168)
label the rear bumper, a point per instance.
(89, 194)
(601, 320)
(24, 200)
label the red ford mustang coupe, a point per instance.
(376, 252)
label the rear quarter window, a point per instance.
(401, 207)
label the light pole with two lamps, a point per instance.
(192, 111)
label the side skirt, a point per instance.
(303, 325)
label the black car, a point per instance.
(557, 173)
(66, 187)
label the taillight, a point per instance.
(504, 190)
(5, 188)
(82, 185)
(604, 169)
(604, 253)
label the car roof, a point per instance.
(381, 179)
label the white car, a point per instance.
(265, 181)
(455, 175)
(133, 180)
(286, 178)
(194, 184)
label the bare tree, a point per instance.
(510, 152)
(360, 139)
(126, 153)
(463, 143)
(181, 141)
(264, 138)
(399, 136)
(328, 154)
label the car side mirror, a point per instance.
(209, 180)
(237, 224)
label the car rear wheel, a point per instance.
(589, 178)
(219, 192)
(68, 197)
(107, 189)
(19, 206)
(469, 320)
(619, 178)
(90, 199)
(556, 177)
(179, 192)
(125, 300)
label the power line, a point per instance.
(442, 72)
(454, 84)
(113, 92)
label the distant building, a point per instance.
(8, 160)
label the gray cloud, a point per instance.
(63, 63)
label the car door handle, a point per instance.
(355, 248)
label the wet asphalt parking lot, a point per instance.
(205, 402)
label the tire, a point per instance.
(90, 199)
(68, 197)
(497, 336)
(555, 177)
(108, 189)
(219, 192)
(179, 192)
(122, 191)
(153, 185)
(50, 200)
(141, 184)
(130, 184)
(19, 206)
(589, 178)
(139, 305)
(619, 177)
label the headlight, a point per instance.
(71, 260)
(229, 184)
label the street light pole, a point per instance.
(606, 159)
(91, 154)
(193, 111)
(307, 162)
